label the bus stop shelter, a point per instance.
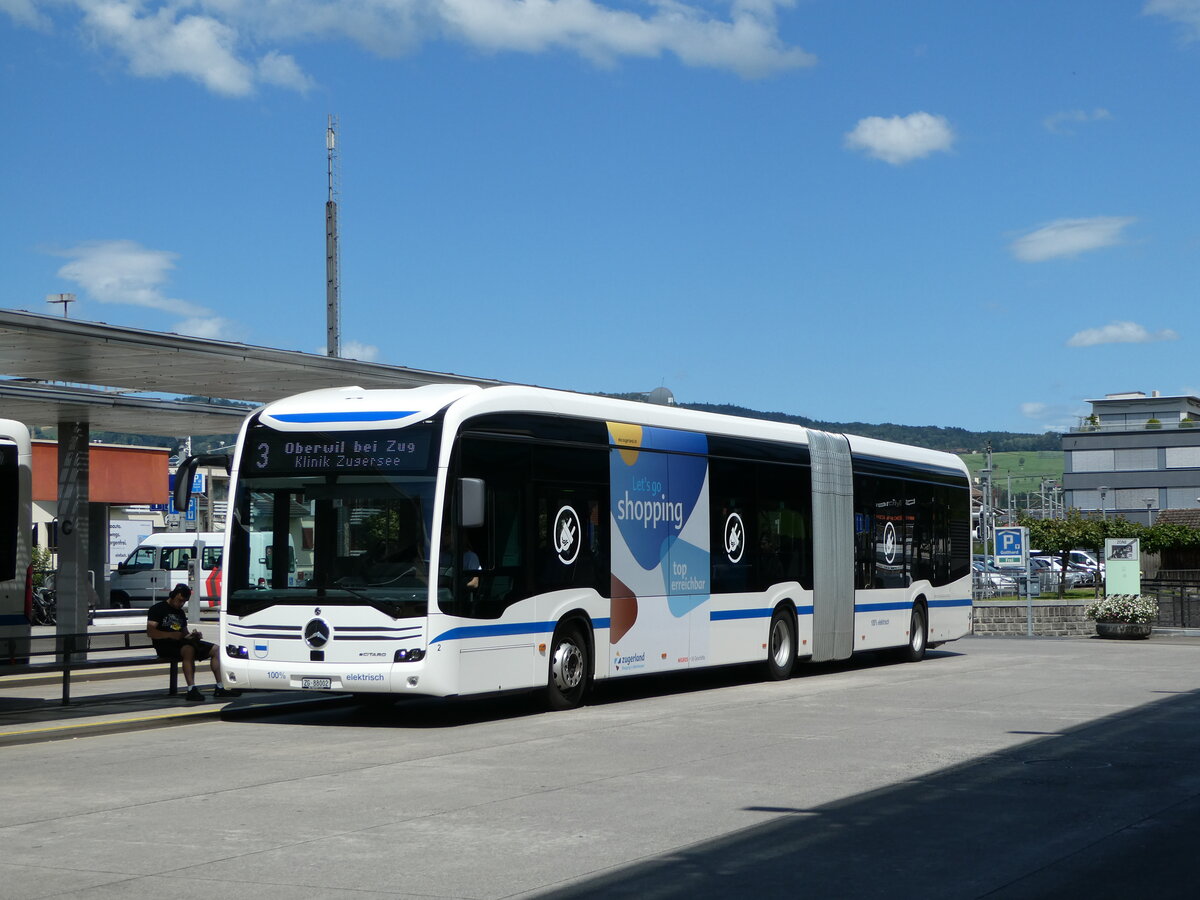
(83, 377)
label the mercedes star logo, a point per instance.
(316, 633)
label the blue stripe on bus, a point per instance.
(722, 615)
(882, 607)
(879, 607)
(475, 631)
(360, 416)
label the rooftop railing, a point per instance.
(1111, 427)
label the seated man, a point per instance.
(166, 626)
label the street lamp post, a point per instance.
(1149, 501)
(1103, 504)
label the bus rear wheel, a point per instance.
(918, 636)
(570, 667)
(781, 646)
(119, 600)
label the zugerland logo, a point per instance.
(631, 661)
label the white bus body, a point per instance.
(16, 537)
(463, 540)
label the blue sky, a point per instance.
(931, 213)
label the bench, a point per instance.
(78, 652)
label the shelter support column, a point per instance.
(98, 551)
(71, 581)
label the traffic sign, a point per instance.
(1012, 547)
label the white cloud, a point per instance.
(1049, 416)
(1184, 12)
(157, 44)
(1120, 333)
(213, 328)
(24, 12)
(125, 272)
(1069, 237)
(213, 41)
(282, 70)
(354, 350)
(1061, 122)
(359, 350)
(901, 139)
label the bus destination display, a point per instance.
(271, 452)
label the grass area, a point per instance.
(1026, 468)
(1088, 594)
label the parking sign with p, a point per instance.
(1012, 547)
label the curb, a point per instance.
(37, 732)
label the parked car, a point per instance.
(1051, 571)
(992, 579)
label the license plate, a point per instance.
(316, 684)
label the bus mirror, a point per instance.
(186, 473)
(471, 495)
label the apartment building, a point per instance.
(1133, 455)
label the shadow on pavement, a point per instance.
(379, 711)
(1110, 809)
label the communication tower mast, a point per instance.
(333, 342)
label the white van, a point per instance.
(160, 562)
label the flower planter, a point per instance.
(1129, 631)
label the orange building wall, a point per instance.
(118, 475)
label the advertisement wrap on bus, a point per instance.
(451, 540)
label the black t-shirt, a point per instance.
(167, 618)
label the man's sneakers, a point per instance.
(219, 692)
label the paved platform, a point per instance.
(118, 699)
(136, 697)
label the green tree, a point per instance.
(1074, 532)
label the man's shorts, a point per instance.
(173, 650)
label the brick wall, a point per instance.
(1050, 619)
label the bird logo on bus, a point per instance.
(566, 535)
(735, 538)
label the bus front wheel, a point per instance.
(569, 668)
(781, 646)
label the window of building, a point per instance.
(1092, 461)
(1183, 457)
(1136, 459)
(1182, 498)
(1135, 498)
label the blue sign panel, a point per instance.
(1012, 546)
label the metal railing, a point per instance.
(1178, 602)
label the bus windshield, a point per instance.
(354, 540)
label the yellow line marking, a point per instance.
(174, 715)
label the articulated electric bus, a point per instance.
(16, 536)
(453, 540)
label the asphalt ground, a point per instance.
(998, 767)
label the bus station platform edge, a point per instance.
(121, 699)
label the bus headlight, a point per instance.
(235, 652)
(414, 655)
